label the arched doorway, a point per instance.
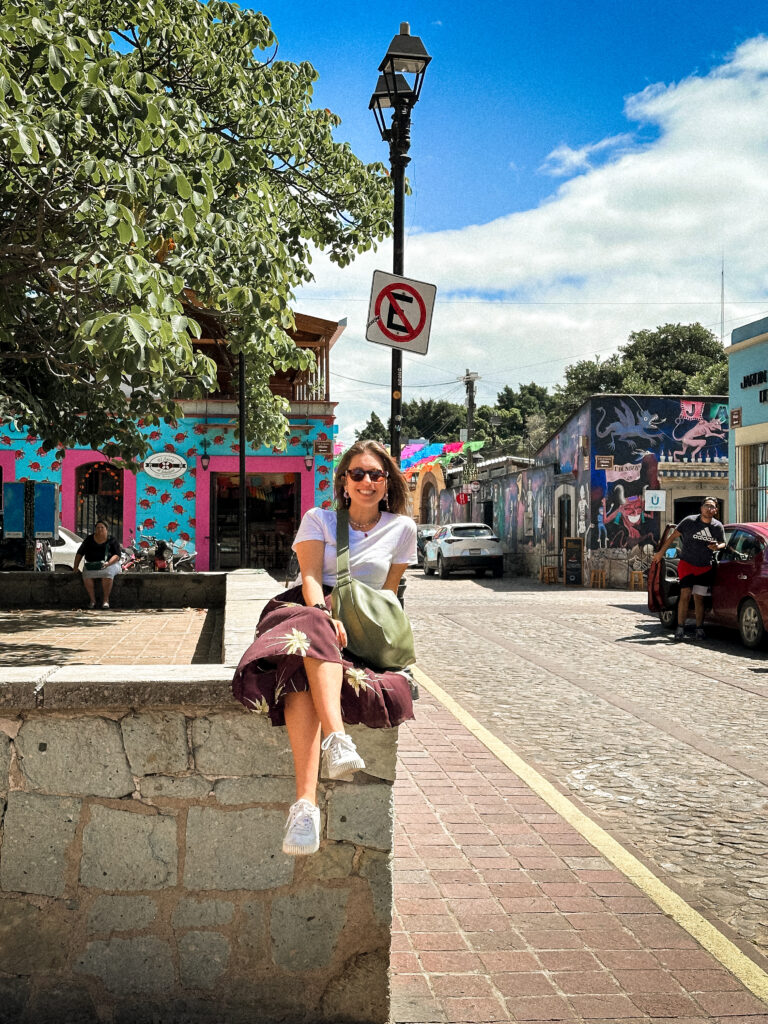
(99, 496)
(428, 509)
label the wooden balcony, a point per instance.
(294, 385)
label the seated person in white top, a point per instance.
(295, 671)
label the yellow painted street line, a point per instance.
(729, 955)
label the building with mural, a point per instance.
(613, 475)
(189, 486)
(748, 454)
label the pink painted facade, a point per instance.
(71, 462)
(253, 464)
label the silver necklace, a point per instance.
(364, 527)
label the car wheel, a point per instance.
(751, 628)
(479, 573)
(668, 617)
(498, 570)
(428, 569)
(442, 568)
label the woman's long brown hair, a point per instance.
(397, 488)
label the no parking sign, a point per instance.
(400, 312)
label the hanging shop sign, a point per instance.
(165, 465)
(323, 448)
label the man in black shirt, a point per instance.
(701, 536)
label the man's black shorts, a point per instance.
(704, 580)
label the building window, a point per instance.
(751, 480)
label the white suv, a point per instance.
(463, 546)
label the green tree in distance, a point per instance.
(675, 359)
(434, 418)
(374, 430)
(526, 400)
(149, 155)
(582, 379)
(669, 360)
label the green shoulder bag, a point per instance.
(378, 630)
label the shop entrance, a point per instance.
(272, 515)
(99, 496)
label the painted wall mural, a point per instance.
(591, 477)
(631, 434)
(565, 448)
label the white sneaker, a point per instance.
(340, 755)
(302, 830)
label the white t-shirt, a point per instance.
(392, 541)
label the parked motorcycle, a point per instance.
(183, 558)
(162, 560)
(139, 557)
(156, 555)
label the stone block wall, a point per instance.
(131, 590)
(141, 872)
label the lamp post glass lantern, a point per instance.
(406, 56)
(205, 458)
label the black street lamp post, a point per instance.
(406, 56)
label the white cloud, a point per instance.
(631, 243)
(564, 161)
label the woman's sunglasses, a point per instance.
(358, 475)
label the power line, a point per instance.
(576, 302)
(376, 384)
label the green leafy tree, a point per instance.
(528, 400)
(538, 431)
(667, 361)
(434, 418)
(675, 359)
(374, 430)
(712, 380)
(154, 155)
(582, 379)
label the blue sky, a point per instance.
(579, 171)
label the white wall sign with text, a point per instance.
(655, 501)
(165, 465)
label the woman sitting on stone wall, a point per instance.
(297, 670)
(100, 554)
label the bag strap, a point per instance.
(342, 547)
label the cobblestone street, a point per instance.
(664, 743)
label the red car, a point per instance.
(740, 591)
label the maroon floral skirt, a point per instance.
(288, 631)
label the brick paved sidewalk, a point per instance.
(503, 912)
(180, 636)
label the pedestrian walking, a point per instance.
(701, 536)
(297, 670)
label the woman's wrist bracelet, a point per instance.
(324, 608)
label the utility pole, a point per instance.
(243, 503)
(469, 380)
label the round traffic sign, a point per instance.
(399, 296)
